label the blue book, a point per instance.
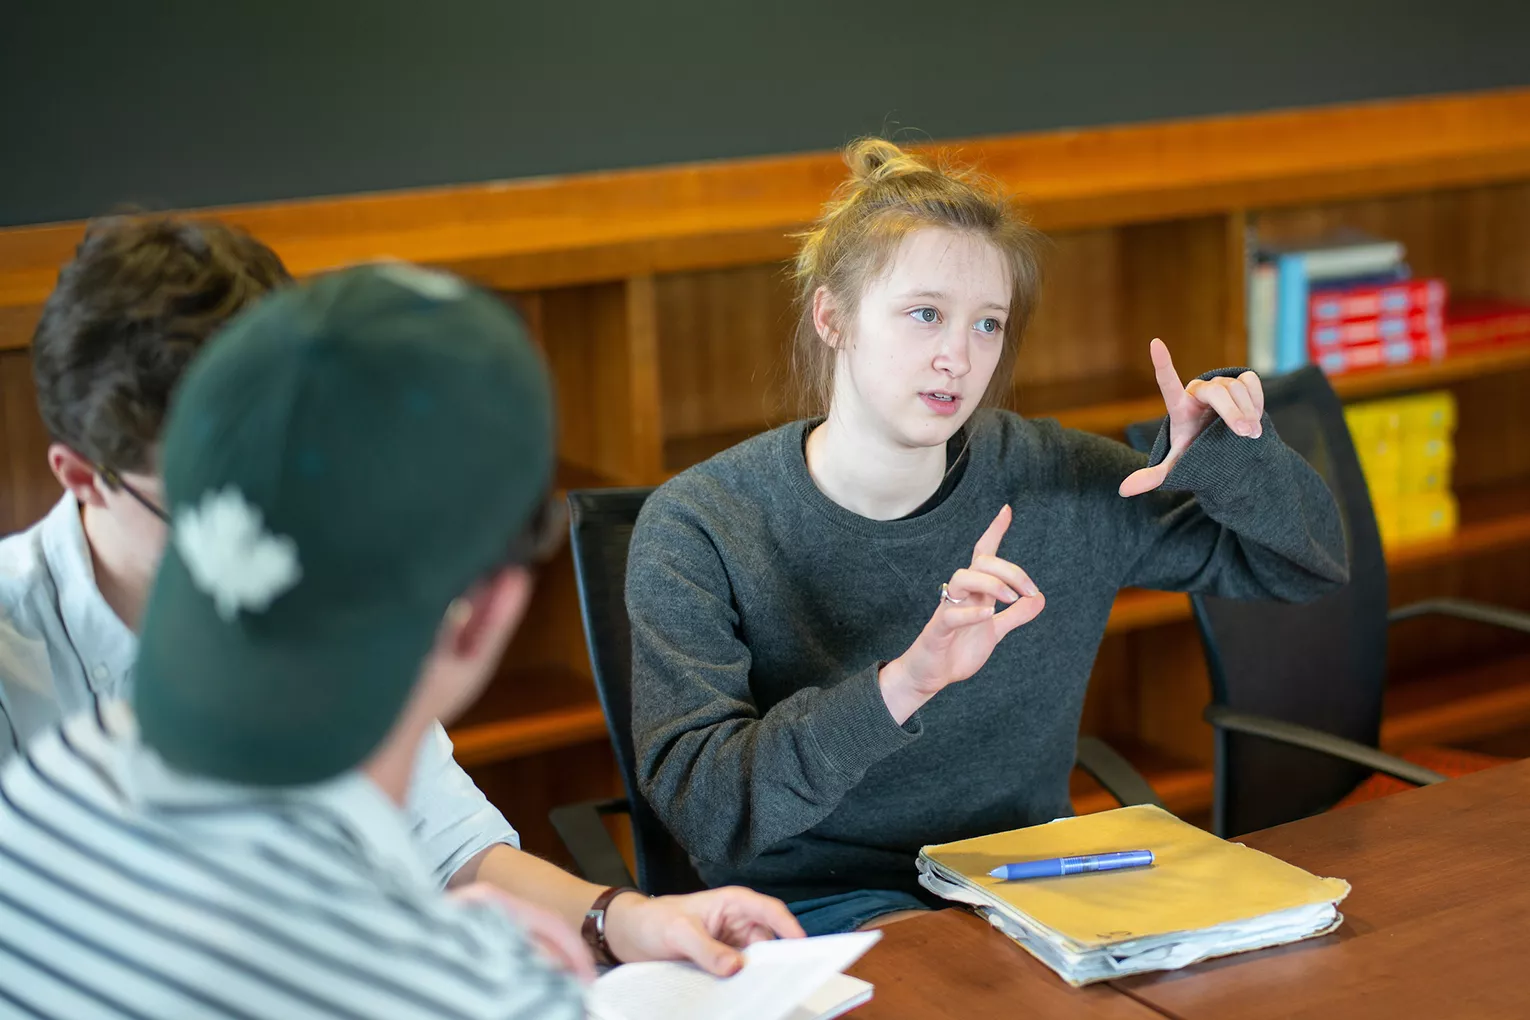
(1345, 256)
(1290, 312)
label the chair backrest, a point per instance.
(1320, 664)
(600, 529)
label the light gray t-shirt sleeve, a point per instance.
(451, 818)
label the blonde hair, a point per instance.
(890, 194)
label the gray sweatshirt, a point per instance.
(762, 612)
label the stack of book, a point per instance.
(1343, 302)
(1476, 323)
(1406, 448)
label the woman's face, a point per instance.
(925, 341)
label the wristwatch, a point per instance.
(594, 927)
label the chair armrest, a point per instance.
(595, 854)
(1463, 609)
(1326, 743)
(1114, 772)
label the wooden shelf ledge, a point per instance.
(1139, 609)
(558, 231)
(1458, 707)
(486, 743)
(528, 710)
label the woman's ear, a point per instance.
(826, 317)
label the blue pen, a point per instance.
(1055, 866)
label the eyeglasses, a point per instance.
(543, 534)
(114, 481)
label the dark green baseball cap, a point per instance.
(344, 460)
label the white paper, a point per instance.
(778, 977)
(838, 996)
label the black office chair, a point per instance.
(600, 526)
(1296, 690)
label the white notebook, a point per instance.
(786, 979)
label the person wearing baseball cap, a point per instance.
(358, 473)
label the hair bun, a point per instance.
(876, 159)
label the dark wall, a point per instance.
(169, 103)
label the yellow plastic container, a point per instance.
(1367, 428)
(1383, 469)
(1424, 516)
(1423, 464)
(1406, 447)
(1386, 519)
(1427, 414)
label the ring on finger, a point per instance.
(946, 596)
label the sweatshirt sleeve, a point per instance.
(728, 780)
(1236, 517)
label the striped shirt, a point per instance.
(63, 651)
(130, 890)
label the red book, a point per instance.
(1477, 322)
(1375, 300)
(1427, 345)
(1375, 329)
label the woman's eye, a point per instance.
(989, 326)
(925, 315)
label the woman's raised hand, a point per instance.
(966, 626)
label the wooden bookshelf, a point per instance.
(660, 299)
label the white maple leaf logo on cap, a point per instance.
(231, 556)
(428, 283)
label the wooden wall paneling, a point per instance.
(27, 488)
(546, 667)
(1493, 431)
(601, 343)
(529, 306)
(724, 345)
(1236, 230)
(1181, 282)
(1110, 704)
(645, 408)
(17, 325)
(1173, 691)
(1435, 645)
(526, 789)
(1073, 353)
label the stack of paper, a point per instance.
(1202, 897)
(787, 979)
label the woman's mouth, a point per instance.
(941, 402)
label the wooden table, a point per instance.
(1438, 924)
(950, 965)
(1435, 927)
